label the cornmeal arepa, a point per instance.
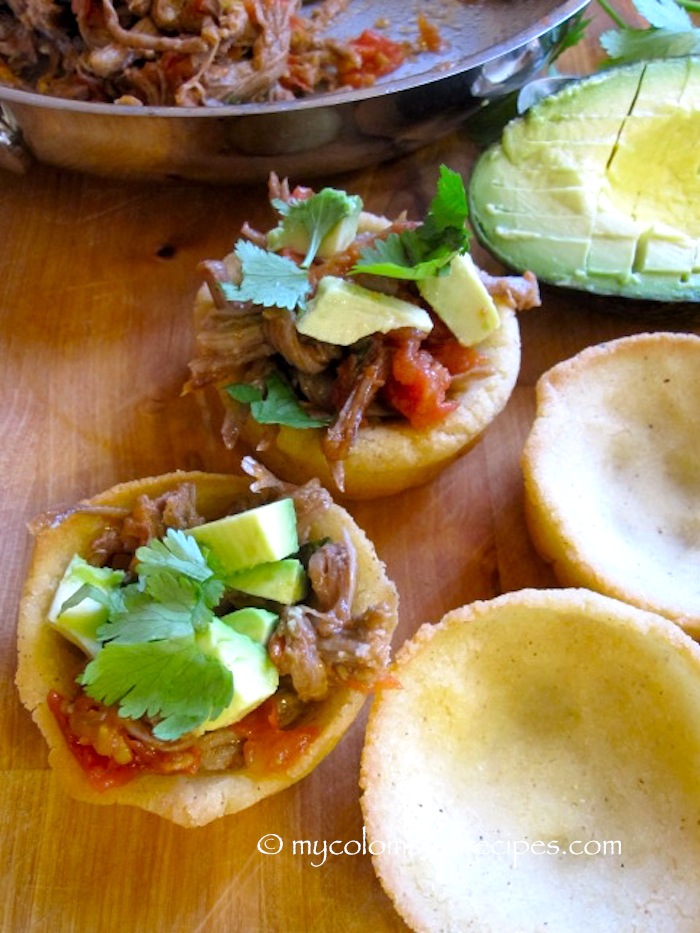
(343, 643)
(612, 472)
(534, 766)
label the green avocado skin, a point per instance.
(597, 187)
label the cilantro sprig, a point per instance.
(421, 252)
(670, 33)
(172, 679)
(276, 404)
(314, 217)
(268, 279)
(151, 661)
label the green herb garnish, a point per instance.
(421, 252)
(277, 404)
(670, 32)
(151, 662)
(268, 279)
(313, 217)
(171, 679)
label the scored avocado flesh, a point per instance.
(597, 187)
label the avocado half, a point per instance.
(597, 187)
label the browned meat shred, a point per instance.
(332, 573)
(520, 292)
(181, 52)
(322, 644)
(150, 518)
(369, 373)
(308, 356)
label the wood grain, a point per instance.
(96, 285)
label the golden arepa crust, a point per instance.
(612, 472)
(48, 662)
(522, 730)
(387, 458)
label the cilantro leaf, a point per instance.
(315, 217)
(670, 33)
(663, 14)
(172, 607)
(277, 405)
(145, 620)
(423, 251)
(268, 280)
(448, 209)
(174, 571)
(176, 552)
(632, 45)
(173, 680)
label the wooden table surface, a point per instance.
(96, 284)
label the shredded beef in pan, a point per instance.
(191, 52)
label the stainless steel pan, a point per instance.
(490, 48)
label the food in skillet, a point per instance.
(192, 643)
(186, 53)
(367, 352)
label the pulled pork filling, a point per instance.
(189, 52)
(316, 646)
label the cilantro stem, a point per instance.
(692, 5)
(613, 14)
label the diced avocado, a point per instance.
(255, 677)
(343, 312)
(611, 255)
(548, 201)
(293, 233)
(531, 222)
(258, 624)
(283, 581)
(460, 298)
(636, 232)
(256, 536)
(79, 623)
(666, 251)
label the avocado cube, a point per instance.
(255, 677)
(258, 624)
(256, 536)
(460, 298)
(343, 312)
(79, 623)
(283, 581)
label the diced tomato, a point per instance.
(418, 384)
(455, 357)
(300, 75)
(86, 724)
(429, 35)
(267, 746)
(101, 771)
(378, 54)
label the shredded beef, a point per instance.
(311, 500)
(305, 355)
(520, 292)
(150, 518)
(333, 572)
(369, 372)
(182, 52)
(321, 644)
